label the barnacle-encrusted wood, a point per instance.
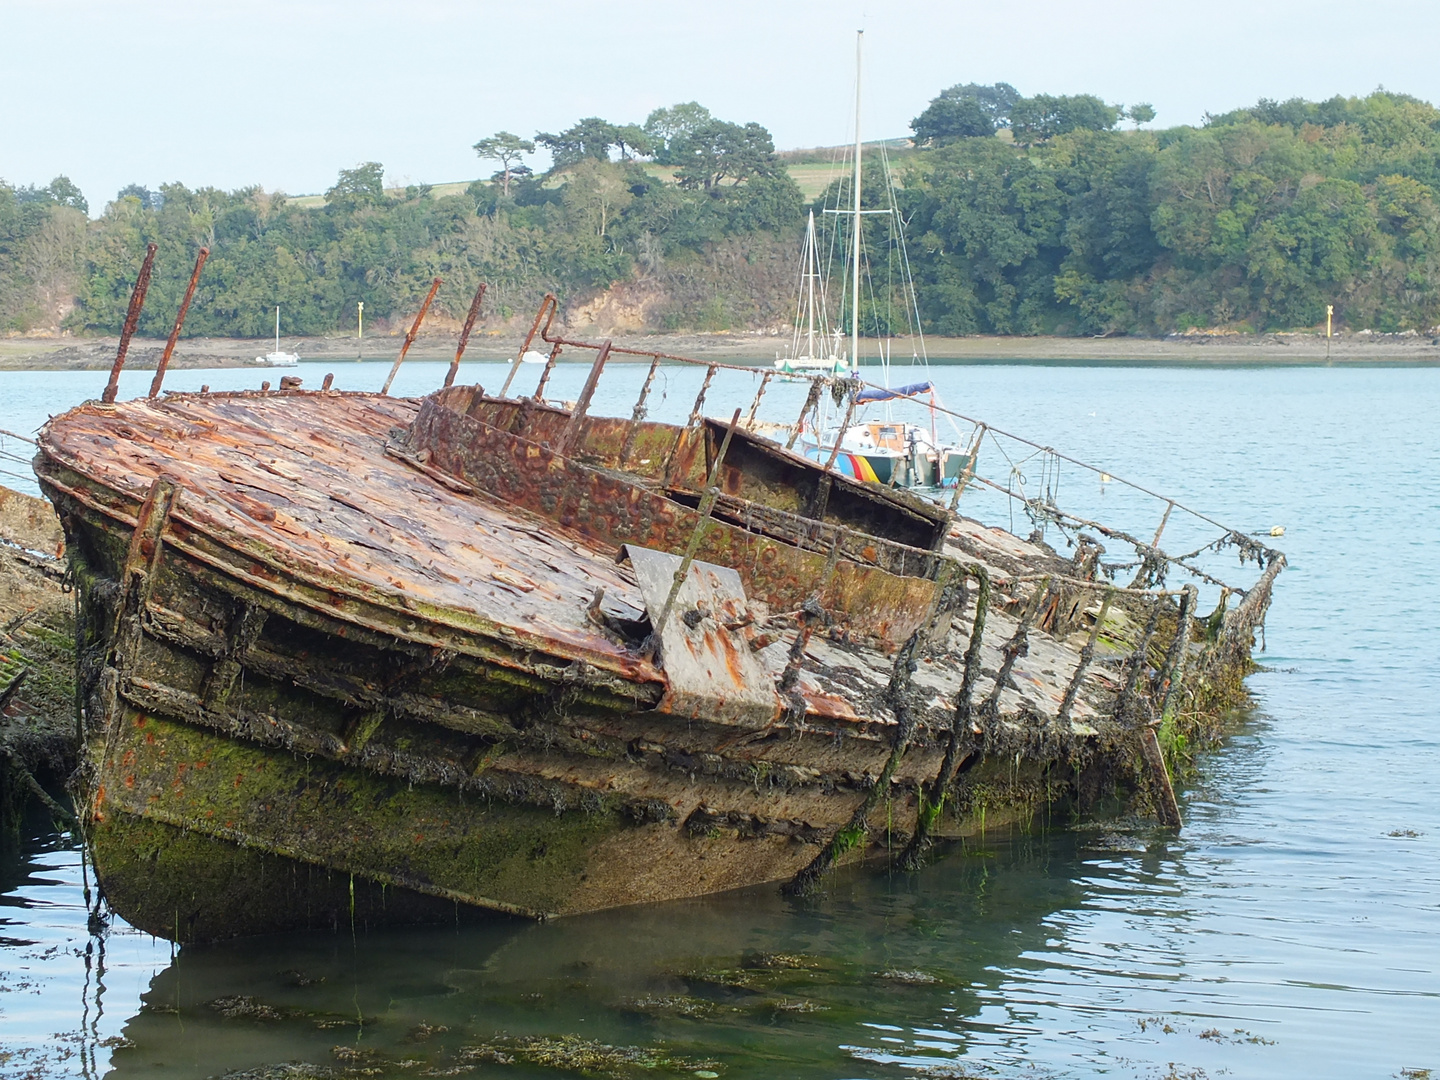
(333, 638)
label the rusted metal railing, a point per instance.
(132, 320)
(410, 337)
(179, 322)
(470, 318)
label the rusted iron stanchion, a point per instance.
(179, 322)
(132, 319)
(969, 472)
(1087, 653)
(1016, 647)
(932, 802)
(707, 507)
(410, 337)
(810, 614)
(695, 415)
(1137, 662)
(550, 304)
(470, 318)
(811, 400)
(1169, 506)
(844, 427)
(759, 393)
(539, 394)
(696, 411)
(582, 406)
(639, 412)
(1179, 656)
(821, 498)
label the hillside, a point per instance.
(1024, 216)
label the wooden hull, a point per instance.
(323, 682)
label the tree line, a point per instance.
(1024, 215)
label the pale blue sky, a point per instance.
(235, 92)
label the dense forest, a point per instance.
(1024, 215)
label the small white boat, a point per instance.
(276, 358)
(813, 347)
(532, 357)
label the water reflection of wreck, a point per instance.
(343, 652)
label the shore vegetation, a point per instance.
(1026, 215)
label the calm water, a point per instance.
(1290, 931)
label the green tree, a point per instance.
(668, 128)
(509, 150)
(631, 139)
(717, 150)
(966, 110)
(1141, 112)
(1035, 119)
(947, 119)
(144, 196)
(363, 185)
(591, 137)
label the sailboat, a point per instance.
(276, 358)
(813, 347)
(882, 450)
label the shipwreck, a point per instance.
(346, 657)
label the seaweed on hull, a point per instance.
(347, 656)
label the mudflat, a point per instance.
(97, 353)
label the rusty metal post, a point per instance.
(539, 394)
(465, 333)
(812, 399)
(844, 427)
(969, 473)
(1137, 663)
(132, 319)
(582, 406)
(179, 322)
(696, 412)
(549, 302)
(1016, 647)
(811, 612)
(1169, 505)
(760, 393)
(707, 507)
(639, 412)
(410, 337)
(1072, 691)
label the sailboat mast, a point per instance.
(812, 268)
(277, 328)
(855, 267)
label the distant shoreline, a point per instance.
(97, 354)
